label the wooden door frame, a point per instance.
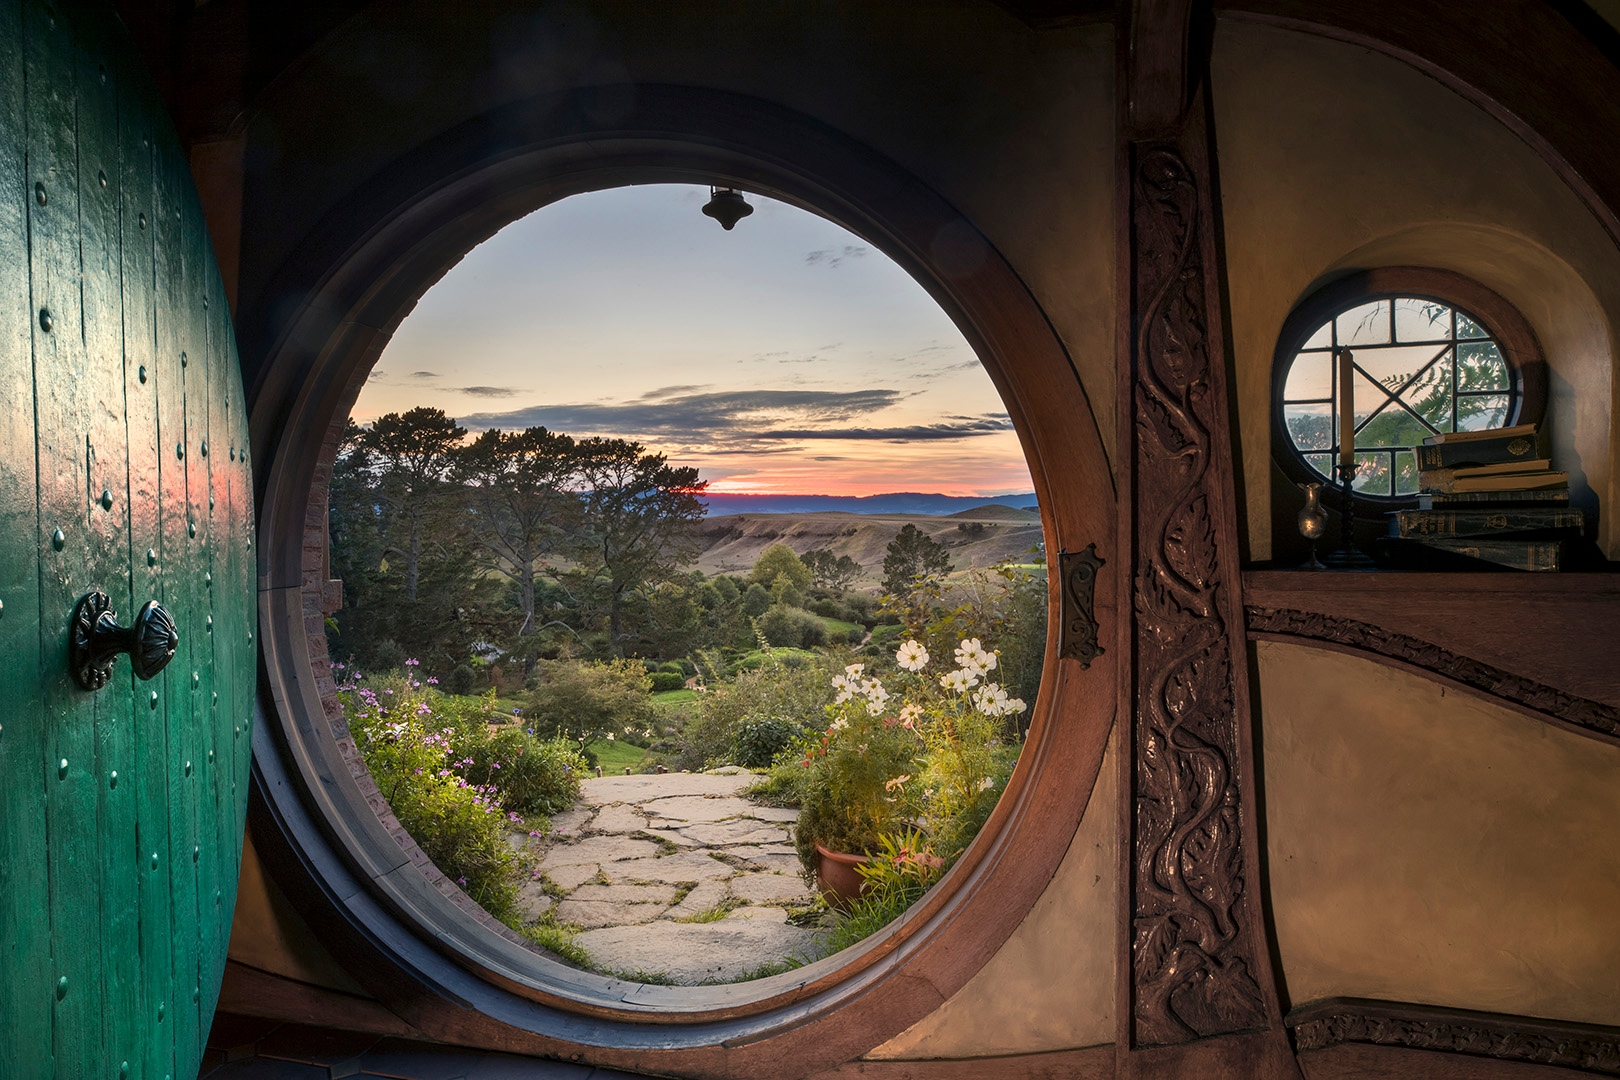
(420, 946)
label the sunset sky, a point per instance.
(786, 356)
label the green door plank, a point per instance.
(169, 278)
(136, 123)
(64, 394)
(25, 991)
(195, 376)
(109, 565)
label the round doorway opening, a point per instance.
(683, 570)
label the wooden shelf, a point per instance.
(1562, 630)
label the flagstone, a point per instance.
(770, 888)
(599, 849)
(691, 953)
(697, 808)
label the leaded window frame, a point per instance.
(1512, 333)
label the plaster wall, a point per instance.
(1014, 127)
(1061, 957)
(1427, 846)
(1334, 158)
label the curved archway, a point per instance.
(421, 950)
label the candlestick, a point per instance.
(1347, 409)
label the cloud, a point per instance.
(376, 373)
(829, 457)
(424, 374)
(673, 414)
(963, 427)
(832, 257)
(488, 391)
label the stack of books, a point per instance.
(1493, 496)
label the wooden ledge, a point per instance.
(1543, 642)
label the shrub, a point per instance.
(756, 600)
(667, 680)
(758, 739)
(792, 627)
(463, 680)
(585, 701)
(796, 697)
(530, 775)
(413, 754)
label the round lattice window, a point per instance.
(1423, 360)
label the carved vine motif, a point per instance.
(1079, 569)
(1191, 949)
(1516, 689)
(1485, 1038)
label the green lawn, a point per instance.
(675, 697)
(855, 631)
(614, 756)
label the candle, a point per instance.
(1347, 410)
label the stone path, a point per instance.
(673, 876)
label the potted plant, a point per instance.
(931, 757)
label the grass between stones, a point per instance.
(715, 913)
(666, 846)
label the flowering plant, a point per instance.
(932, 754)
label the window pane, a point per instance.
(1430, 395)
(1479, 413)
(1322, 338)
(1421, 320)
(1322, 464)
(1372, 473)
(1369, 398)
(1406, 473)
(1480, 367)
(1392, 367)
(1468, 328)
(1310, 377)
(1394, 426)
(1365, 325)
(1310, 426)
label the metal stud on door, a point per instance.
(123, 780)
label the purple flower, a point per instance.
(433, 680)
(411, 663)
(461, 880)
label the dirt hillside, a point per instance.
(982, 537)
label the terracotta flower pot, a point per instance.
(836, 877)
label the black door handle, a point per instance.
(95, 639)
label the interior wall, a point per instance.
(1426, 846)
(1061, 957)
(1014, 127)
(1335, 158)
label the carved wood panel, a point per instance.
(1196, 956)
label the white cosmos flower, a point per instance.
(959, 680)
(875, 697)
(912, 656)
(966, 651)
(854, 670)
(984, 785)
(910, 715)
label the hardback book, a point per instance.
(1542, 497)
(1541, 556)
(1500, 477)
(1484, 433)
(1425, 523)
(1478, 452)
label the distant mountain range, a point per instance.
(899, 502)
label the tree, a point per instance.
(639, 511)
(410, 454)
(914, 558)
(519, 487)
(778, 560)
(836, 572)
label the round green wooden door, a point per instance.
(124, 470)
